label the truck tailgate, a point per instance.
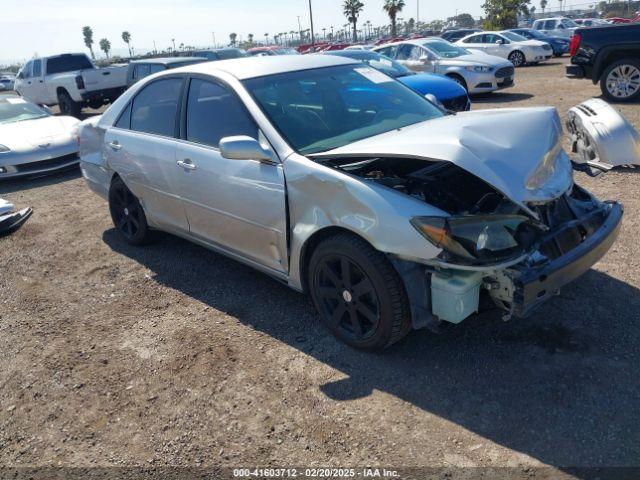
(105, 78)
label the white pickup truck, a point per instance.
(70, 80)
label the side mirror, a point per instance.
(20, 76)
(242, 147)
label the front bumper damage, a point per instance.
(524, 287)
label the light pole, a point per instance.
(313, 37)
(213, 36)
(299, 29)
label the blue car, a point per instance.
(560, 45)
(449, 93)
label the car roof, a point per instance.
(168, 60)
(253, 67)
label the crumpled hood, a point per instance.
(507, 148)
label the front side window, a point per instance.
(213, 112)
(325, 108)
(474, 39)
(154, 108)
(26, 70)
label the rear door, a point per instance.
(236, 204)
(141, 148)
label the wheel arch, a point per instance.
(609, 55)
(312, 242)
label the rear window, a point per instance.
(68, 63)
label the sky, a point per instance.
(30, 27)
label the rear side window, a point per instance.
(125, 119)
(67, 63)
(37, 68)
(154, 108)
(213, 112)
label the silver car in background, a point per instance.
(475, 71)
(32, 141)
(341, 182)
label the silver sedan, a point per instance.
(32, 141)
(341, 182)
(476, 71)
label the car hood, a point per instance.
(442, 87)
(34, 133)
(479, 58)
(531, 43)
(517, 151)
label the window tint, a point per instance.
(213, 112)
(37, 68)
(125, 118)
(155, 106)
(474, 39)
(68, 63)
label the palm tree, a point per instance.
(126, 38)
(266, 39)
(250, 38)
(105, 46)
(232, 38)
(351, 10)
(87, 33)
(393, 7)
(560, 2)
(543, 5)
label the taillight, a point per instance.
(80, 82)
(574, 43)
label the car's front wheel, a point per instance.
(357, 292)
(620, 82)
(517, 58)
(127, 213)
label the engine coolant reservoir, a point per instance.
(455, 294)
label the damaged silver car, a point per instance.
(341, 182)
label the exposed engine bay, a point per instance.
(470, 263)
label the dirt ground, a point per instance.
(112, 355)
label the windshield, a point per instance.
(531, 34)
(514, 37)
(446, 49)
(17, 110)
(326, 108)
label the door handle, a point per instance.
(115, 145)
(186, 163)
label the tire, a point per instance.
(367, 308)
(127, 214)
(517, 58)
(68, 106)
(459, 80)
(557, 55)
(620, 81)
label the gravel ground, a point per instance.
(173, 355)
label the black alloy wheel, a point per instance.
(127, 213)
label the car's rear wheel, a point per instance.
(358, 294)
(68, 106)
(620, 82)
(517, 58)
(127, 214)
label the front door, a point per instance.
(236, 204)
(141, 147)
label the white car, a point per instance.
(515, 48)
(71, 81)
(475, 71)
(556, 26)
(33, 142)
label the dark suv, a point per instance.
(455, 35)
(609, 55)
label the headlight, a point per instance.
(479, 68)
(475, 239)
(4, 149)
